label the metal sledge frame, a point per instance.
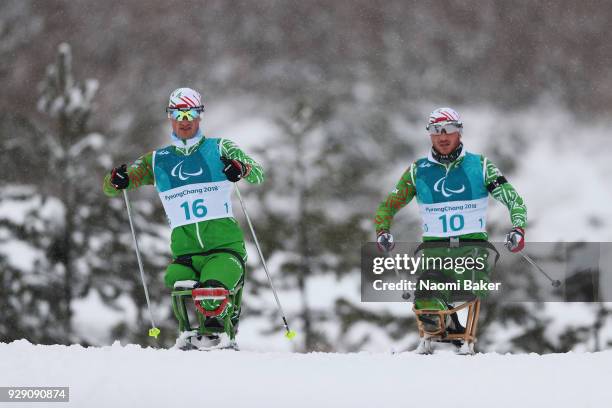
(469, 336)
(179, 306)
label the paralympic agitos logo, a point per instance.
(440, 187)
(177, 171)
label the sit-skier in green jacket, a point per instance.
(193, 177)
(451, 186)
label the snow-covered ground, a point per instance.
(130, 376)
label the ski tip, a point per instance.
(290, 334)
(154, 332)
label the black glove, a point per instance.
(515, 239)
(234, 170)
(119, 177)
(384, 241)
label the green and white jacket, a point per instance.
(452, 198)
(194, 191)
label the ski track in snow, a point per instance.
(131, 376)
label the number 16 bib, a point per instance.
(192, 188)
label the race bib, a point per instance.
(454, 217)
(197, 202)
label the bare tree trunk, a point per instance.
(68, 274)
(303, 242)
(65, 137)
(304, 271)
(65, 238)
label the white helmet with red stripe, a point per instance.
(444, 115)
(444, 119)
(185, 98)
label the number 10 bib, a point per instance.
(192, 188)
(452, 202)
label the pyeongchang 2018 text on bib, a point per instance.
(197, 202)
(454, 217)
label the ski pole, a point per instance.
(554, 282)
(153, 331)
(289, 333)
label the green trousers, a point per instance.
(440, 273)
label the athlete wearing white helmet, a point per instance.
(451, 187)
(193, 176)
(185, 98)
(445, 129)
(184, 109)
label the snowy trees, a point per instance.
(49, 215)
(59, 244)
(71, 152)
(316, 209)
(92, 247)
(474, 51)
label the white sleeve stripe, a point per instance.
(153, 167)
(484, 170)
(221, 147)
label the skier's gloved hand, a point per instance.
(515, 239)
(234, 169)
(384, 241)
(119, 177)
